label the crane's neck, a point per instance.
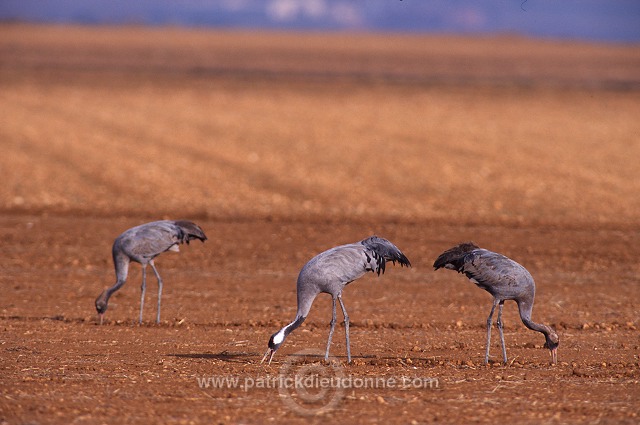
(109, 291)
(279, 337)
(542, 328)
(103, 298)
(525, 310)
(550, 336)
(294, 325)
(121, 263)
(305, 300)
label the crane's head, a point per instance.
(277, 338)
(274, 343)
(102, 304)
(552, 342)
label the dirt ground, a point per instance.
(281, 146)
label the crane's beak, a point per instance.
(269, 353)
(101, 317)
(554, 355)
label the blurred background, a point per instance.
(518, 111)
(597, 20)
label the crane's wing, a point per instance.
(378, 251)
(453, 258)
(188, 231)
(152, 239)
(492, 271)
(346, 263)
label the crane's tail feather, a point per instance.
(190, 231)
(385, 251)
(453, 258)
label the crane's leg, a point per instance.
(489, 319)
(153, 266)
(333, 325)
(346, 327)
(499, 324)
(143, 289)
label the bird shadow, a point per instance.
(239, 357)
(227, 355)
(243, 357)
(55, 318)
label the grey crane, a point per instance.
(329, 272)
(142, 244)
(505, 280)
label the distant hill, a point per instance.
(596, 20)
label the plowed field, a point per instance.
(281, 146)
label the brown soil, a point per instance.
(280, 147)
